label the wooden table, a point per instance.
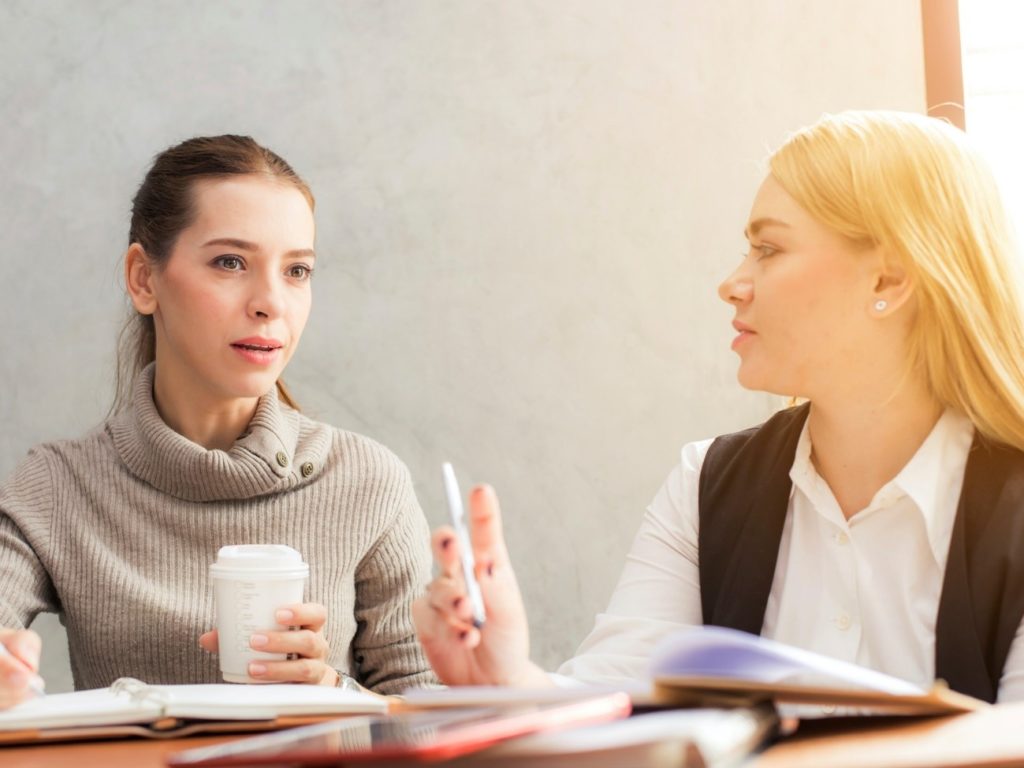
(992, 737)
(117, 753)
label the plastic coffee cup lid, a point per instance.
(258, 559)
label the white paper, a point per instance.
(219, 701)
(499, 695)
(94, 707)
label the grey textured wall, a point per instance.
(524, 210)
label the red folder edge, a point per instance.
(471, 738)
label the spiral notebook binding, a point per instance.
(139, 691)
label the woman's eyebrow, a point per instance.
(758, 224)
(245, 245)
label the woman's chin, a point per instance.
(750, 378)
(757, 381)
(253, 385)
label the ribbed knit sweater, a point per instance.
(116, 531)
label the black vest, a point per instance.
(744, 497)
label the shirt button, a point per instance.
(282, 458)
(843, 621)
(307, 469)
(842, 538)
(828, 709)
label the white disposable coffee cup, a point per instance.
(250, 583)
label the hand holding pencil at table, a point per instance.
(19, 666)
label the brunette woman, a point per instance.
(115, 531)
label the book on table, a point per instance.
(988, 737)
(130, 707)
(725, 667)
(676, 738)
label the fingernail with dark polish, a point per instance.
(446, 543)
(456, 602)
(463, 635)
(490, 569)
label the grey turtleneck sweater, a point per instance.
(116, 531)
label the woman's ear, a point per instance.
(138, 279)
(892, 286)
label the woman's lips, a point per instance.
(745, 333)
(741, 337)
(258, 351)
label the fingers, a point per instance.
(310, 671)
(14, 684)
(25, 645)
(445, 545)
(451, 615)
(485, 528)
(306, 615)
(485, 533)
(308, 642)
(307, 648)
(426, 620)
(303, 642)
(18, 670)
(448, 598)
(438, 630)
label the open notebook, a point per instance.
(721, 667)
(130, 707)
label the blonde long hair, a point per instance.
(914, 186)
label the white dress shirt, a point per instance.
(865, 590)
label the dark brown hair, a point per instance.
(164, 206)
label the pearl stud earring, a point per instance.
(880, 305)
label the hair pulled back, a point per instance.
(164, 206)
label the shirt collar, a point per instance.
(934, 476)
(932, 479)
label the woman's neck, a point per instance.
(861, 444)
(197, 414)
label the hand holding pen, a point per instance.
(497, 651)
(458, 519)
(19, 665)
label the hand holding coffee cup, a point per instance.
(265, 633)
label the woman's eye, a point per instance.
(764, 250)
(300, 272)
(230, 263)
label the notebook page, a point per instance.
(226, 701)
(82, 708)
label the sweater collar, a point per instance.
(261, 461)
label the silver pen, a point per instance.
(34, 684)
(458, 519)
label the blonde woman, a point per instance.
(882, 521)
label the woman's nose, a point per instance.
(738, 287)
(267, 300)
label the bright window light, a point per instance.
(992, 43)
